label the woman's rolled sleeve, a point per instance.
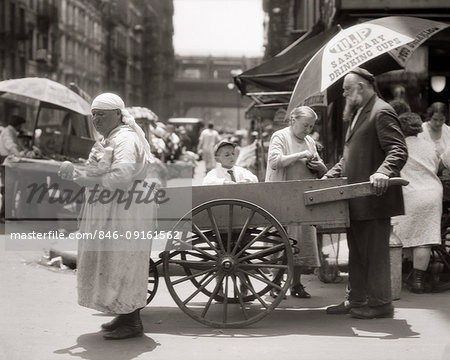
(276, 150)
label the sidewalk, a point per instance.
(40, 320)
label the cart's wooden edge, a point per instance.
(284, 200)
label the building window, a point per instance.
(2, 17)
(69, 15)
(12, 17)
(306, 14)
(63, 48)
(22, 21)
(75, 18)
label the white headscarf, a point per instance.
(110, 101)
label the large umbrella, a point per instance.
(139, 112)
(280, 73)
(47, 92)
(382, 44)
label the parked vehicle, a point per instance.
(193, 127)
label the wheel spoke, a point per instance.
(268, 282)
(262, 274)
(202, 280)
(249, 281)
(201, 256)
(193, 264)
(214, 293)
(204, 237)
(195, 236)
(199, 289)
(254, 240)
(193, 276)
(266, 252)
(216, 229)
(241, 301)
(242, 233)
(204, 252)
(253, 291)
(225, 301)
(230, 227)
(188, 242)
(193, 247)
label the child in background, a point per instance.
(226, 172)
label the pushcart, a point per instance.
(227, 253)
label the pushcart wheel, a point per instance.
(153, 281)
(246, 295)
(228, 270)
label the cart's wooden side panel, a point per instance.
(284, 200)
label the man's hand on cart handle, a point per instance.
(398, 181)
(343, 192)
(380, 183)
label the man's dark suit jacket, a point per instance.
(376, 144)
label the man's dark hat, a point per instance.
(364, 74)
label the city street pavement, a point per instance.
(40, 320)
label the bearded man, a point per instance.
(374, 150)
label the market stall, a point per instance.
(57, 128)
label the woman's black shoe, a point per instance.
(113, 324)
(298, 291)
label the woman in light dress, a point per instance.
(293, 155)
(420, 227)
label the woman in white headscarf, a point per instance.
(112, 271)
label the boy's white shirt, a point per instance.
(218, 175)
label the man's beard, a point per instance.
(351, 106)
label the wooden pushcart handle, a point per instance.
(398, 181)
(344, 192)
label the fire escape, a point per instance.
(47, 33)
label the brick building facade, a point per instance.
(114, 45)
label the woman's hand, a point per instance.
(307, 155)
(317, 166)
(66, 170)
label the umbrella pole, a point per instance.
(35, 125)
(261, 156)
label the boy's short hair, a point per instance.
(221, 144)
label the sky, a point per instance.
(218, 27)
